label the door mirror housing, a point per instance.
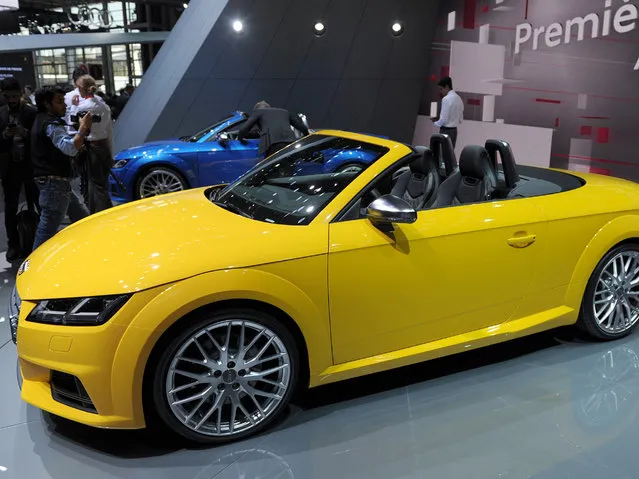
(223, 139)
(390, 209)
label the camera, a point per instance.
(75, 119)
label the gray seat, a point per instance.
(418, 184)
(474, 181)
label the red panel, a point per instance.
(474, 101)
(433, 77)
(470, 9)
(595, 117)
(485, 9)
(599, 171)
(603, 135)
(546, 100)
(557, 122)
(586, 130)
(445, 71)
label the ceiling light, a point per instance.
(238, 26)
(397, 28)
(319, 28)
(185, 5)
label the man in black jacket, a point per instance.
(52, 150)
(16, 120)
(275, 127)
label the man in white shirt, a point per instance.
(452, 114)
(98, 144)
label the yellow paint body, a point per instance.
(364, 302)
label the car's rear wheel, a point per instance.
(226, 377)
(350, 168)
(610, 307)
(159, 181)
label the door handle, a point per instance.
(522, 241)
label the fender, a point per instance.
(174, 301)
(612, 233)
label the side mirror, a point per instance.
(390, 209)
(223, 139)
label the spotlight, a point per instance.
(185, 6)
(238, 26)
(397, 29)
(319, 28)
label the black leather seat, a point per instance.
(475, 180)
(418, 184)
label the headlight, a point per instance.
(78, 311)
(121, 163)
(14, 313)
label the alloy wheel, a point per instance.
(228, 378)
(160, 182)
(616, 298)
(351, 169)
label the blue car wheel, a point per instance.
(159, 180)
(351, 168)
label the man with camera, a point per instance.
(52, 152)
(99, 142)
(16, 119)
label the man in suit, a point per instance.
(275, 127)
(16, 121)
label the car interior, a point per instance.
(433, 178)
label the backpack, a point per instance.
(27, 220)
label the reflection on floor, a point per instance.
(550, 406)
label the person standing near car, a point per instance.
(275, 127)
(16, 120)
(52, 151)
(452, 114)
(98, 145)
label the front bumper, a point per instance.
(87, 374)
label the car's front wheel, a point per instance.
(159, 181)
(226, 377)
(610, 307)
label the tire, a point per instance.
(159, 180)
(186, 389)
(610, 306)
(350, 168)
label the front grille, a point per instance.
(14, 314)
(68, 390)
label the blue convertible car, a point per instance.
(212, 156)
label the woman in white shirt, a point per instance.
(98, 144)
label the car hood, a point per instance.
(155, 147)
(157, 241)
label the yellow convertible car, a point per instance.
(206, 309)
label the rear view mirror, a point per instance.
(390, 209)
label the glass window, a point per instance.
(286, 188)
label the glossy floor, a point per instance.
(550, 406)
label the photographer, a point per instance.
(16, 119)
(52, 149)
(98, 144)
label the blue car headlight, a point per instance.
(78, 311)
(121, 163)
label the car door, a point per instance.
(454, 270)
(225, 161)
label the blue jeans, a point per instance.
(57, 199)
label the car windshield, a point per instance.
(201, 134)
(294, 185)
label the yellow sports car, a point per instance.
(206, 309)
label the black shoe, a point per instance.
(12, 254)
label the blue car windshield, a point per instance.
(201, 134)
(286, 188)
